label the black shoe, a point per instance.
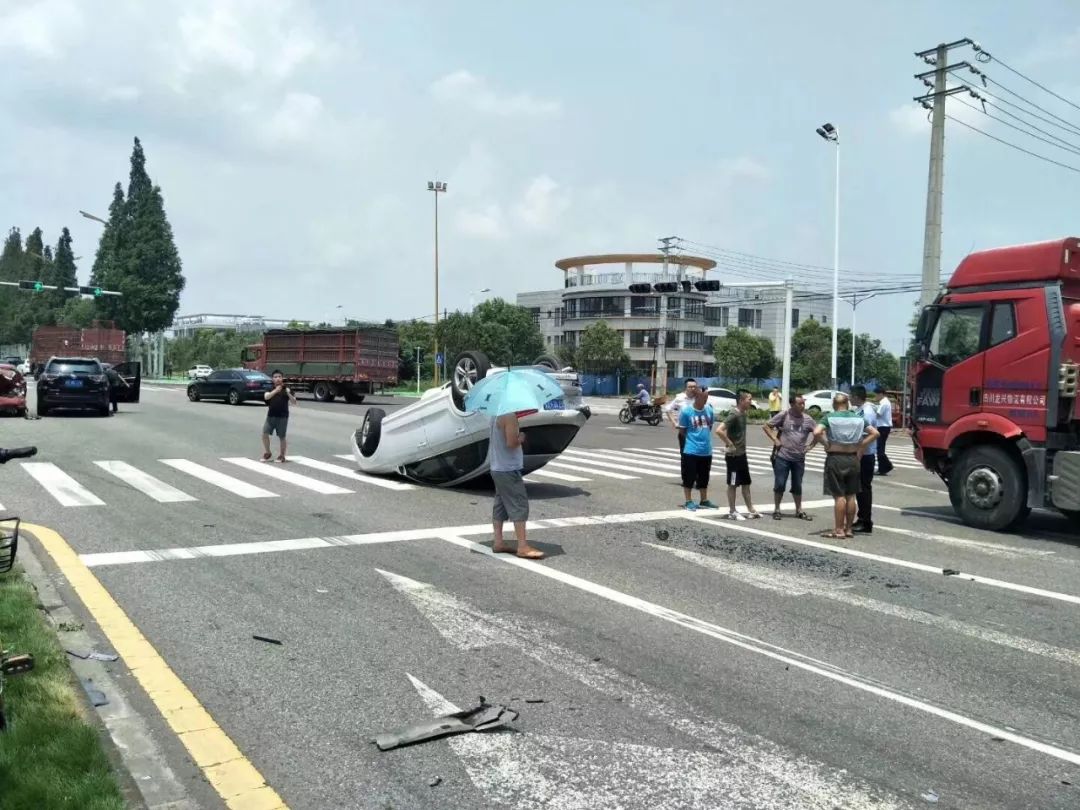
(862, 528)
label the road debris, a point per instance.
(267, 639)
(534, 700)
(97, 697)
(930, 796)
(662, 535)
(434, 781)
(93, 655)
(484, 717)
(950, 572)
(321, 590)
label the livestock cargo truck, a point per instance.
(994, 408)
(350, 363)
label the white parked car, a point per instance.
(819, 402)
(434, 441)
(199, 372)
(724, 400)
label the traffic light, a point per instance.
(708, 285)
(36, 286)
(641, 289)
(666, 287)
(94, 291)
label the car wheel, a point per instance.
(469, 368)
(234, 397)
(370, 431)
(323, 392)
(990, 488)
(549, 361)
(193, 393)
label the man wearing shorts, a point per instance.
(507, 460)
(277, 416)
(680, 401)
(864, 501)
(732, 432)
(846, 437)
(789, 431)
(695, 437)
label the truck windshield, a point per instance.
(956, 334)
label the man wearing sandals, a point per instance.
(846, 436)
(732, 432)
(695, 437)
(789, 431)
(506, 455)
(277, 416)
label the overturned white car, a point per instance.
(434, 441)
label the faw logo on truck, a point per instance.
(928, 398)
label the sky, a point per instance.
(293, 140)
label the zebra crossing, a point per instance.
(251, 479)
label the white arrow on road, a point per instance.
(740, 770)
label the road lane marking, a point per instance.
(144, 482)
(636, 459)
(597, 460)
(351, 474)
(764, 648)
(65, 489)
(997, 549)
(915, 566)
(231, 774)
(271, 471)
(591, 470)
(555, 476)
(802, 584)
(674, 455)
(891, 483)
(218, 479)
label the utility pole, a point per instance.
(938, 57)
(438, 187)
(660, 384)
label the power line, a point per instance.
(1013, 145)
(1065, 145)
(985, 56)
(1054, 120)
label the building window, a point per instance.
(598, 306)
(559, 314)
(693, 308)
(713, 316)
(643, 338)
(824, 318)
(693, 340)
(674, 307)
(644, 306)
(672, 340)
(795, 318)
(749, 318)
(535, 312)
(693, 368)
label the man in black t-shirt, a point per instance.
(277, 415)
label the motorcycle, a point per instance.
(650, 414)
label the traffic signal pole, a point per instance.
(37, 286)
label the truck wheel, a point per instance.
(469, 368)
(323, 392)
(370, 431)
(988, 489)
(353, 398)
(548, 361)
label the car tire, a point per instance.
(371, 431)
(353, 399)
(193, 394)
(549, 361)
(469, 368)
(234, 397)
(988, 488)
(323, 392)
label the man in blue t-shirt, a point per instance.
(696, 428)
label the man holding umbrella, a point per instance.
(509, 397)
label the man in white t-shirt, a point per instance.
(681, 400)
(884, 427)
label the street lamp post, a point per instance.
(418, 371)
(832, 135)
(437, 187)
(472, 297)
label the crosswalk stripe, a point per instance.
(599, 460)
(267, 469)
(591, 471)
(346, 456)
(144, 482)
(673, 453)
(555, 476)
(218, 479)
(65, 489)
(638, 463)
(351, 474)
(640, 458)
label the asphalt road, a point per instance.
(657, 659)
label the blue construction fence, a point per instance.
(610, 385)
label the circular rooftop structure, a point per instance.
(575, 262)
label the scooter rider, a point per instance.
(643, 399)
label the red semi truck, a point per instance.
(349, 363)
(994, 408)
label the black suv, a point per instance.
(73, 382)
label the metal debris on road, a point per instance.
(485, 717)
(535, 700)
(321, 590)
(267, 640)
(950, 572)
(434, 781)
(93, 655)
(97, 697)
(930, 796)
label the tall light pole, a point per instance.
(437, 187)
(473, 294)
(832, 135)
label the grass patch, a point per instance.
(50, 757)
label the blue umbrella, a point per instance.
(512, 391)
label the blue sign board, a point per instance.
(439, 359)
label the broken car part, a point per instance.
(484, 717)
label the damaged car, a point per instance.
(435, 441)
(12, 390)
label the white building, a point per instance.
(596, 288)
(188, 325)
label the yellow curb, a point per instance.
(230, 773)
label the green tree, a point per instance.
(567, 354)
(216, 349)
(109, 245)
(78, 312)
(144, 264)
(506, 333)
(872, 361)
(600, 349)
(811, 355)
(413, 334)
(33, 309)
(11, 298)
(62, 273)
(742, 356)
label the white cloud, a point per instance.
(481, 223)
(542, 204)
(463, 88)
(914, 119)
(294, 120)
(1063, 47)
(40, 29)
(121, 92)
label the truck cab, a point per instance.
(993, 408)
